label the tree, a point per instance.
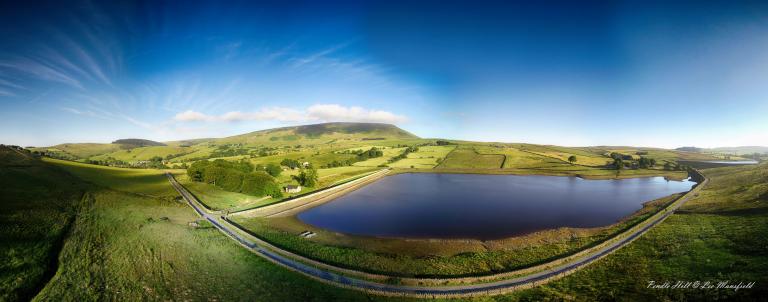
(667, 166)
(273, 170)
(307, 177)
(618, 164)
(645, 162)
(260, 183)
(291, 163)
(572, 159)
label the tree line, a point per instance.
(360, 155)
(404, 154)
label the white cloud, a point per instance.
(192, 116)
(333, 112)
(319, 112)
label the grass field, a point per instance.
(144, 153)
(85, 150)
(37, 206)
(143, 181)
(469, 157)
(426, 158)
(378, 161)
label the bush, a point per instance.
(274, 170)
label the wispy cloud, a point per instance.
(319, 112)
(138, 122)
(84, 112)
(12, 85)
(6, 93)
(40, 70)
(298, 62)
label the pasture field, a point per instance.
(426, 158)
(84, 150)
(378, 161)
(144, 181)
(562, 154)
(468, 157)
(302, 155)
(330, 176)
(517, 159)
(144, 153)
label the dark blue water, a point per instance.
(475, 206)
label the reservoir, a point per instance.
(432, 205)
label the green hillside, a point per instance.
(38, 203)
(321, 133)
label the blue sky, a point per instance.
(588, 73)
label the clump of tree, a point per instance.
(443, 143)
(290, 163)
(229, 150)
(646, 163)
(675, 167)
(237, 177)
(617, 155)
(361, 155)
(370, 153)
(342, 163)
(404, 154)
(572, 159)
(307, 177)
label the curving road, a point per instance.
(496, 287)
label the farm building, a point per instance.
(292, 189)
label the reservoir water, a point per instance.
(431, 205)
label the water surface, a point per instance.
(431, 205)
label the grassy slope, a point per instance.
(131, 242)
(144, 153)
(37, 204)
(85, 150)
(145, 181)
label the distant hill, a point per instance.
(136, 142)
(741, 150)
(689, 149)
(355, 131)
